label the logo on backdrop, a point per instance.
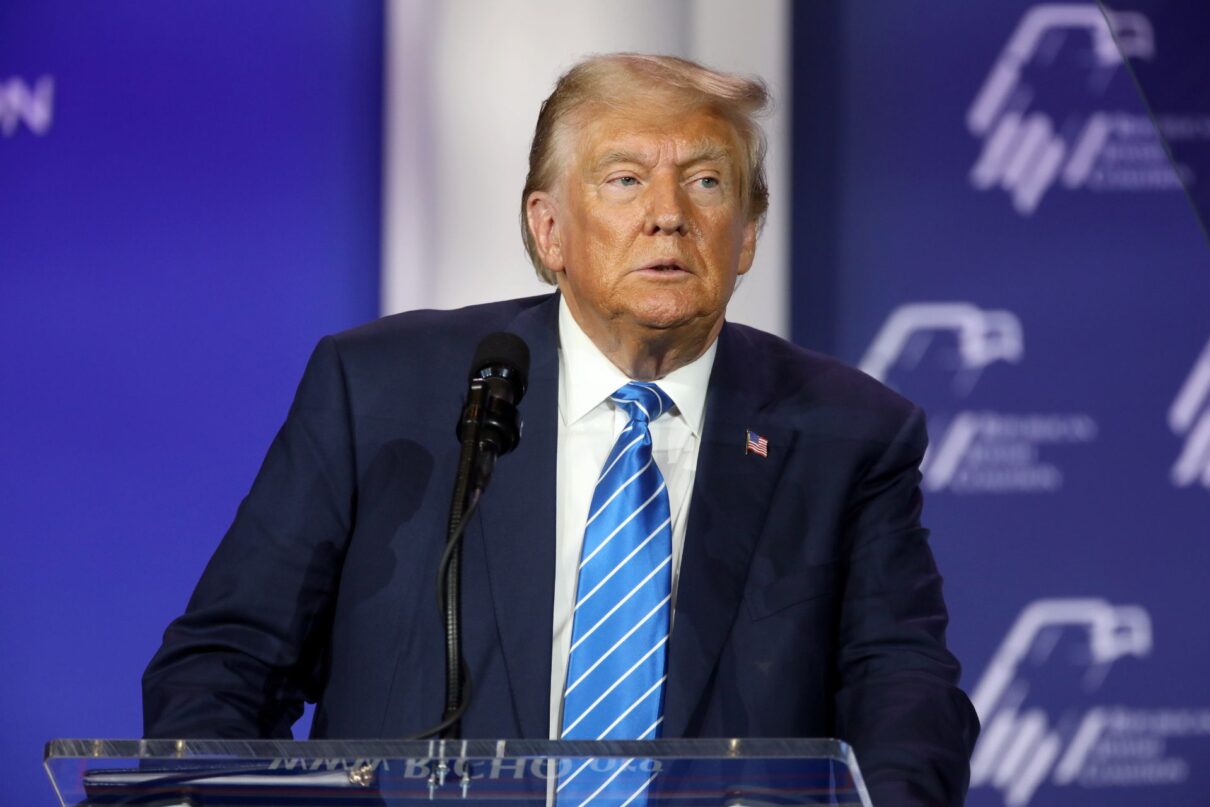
(984, 337)
(1077, 643)
(28, 105)
(1189, 417)
(1047, 114)
(978, 451)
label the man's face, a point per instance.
(647, 230)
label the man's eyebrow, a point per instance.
(615, 156)
(708, 151)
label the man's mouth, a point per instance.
(664, 267)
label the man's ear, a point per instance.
(540, 216)
(747, 247)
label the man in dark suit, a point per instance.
(796, 594)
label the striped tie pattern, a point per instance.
(616, 668)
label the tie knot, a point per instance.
(642, 400)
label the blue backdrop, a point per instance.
(986, 220)
(189, 197)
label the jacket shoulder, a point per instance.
(424, 330)
(799, 378)
(413, 364)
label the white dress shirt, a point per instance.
(589, 424)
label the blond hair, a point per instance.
(614, 80)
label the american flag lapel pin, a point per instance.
(755, 444)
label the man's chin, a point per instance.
(674, 323)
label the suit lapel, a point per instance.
(731, 495)
(520, 543)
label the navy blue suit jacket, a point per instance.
(808, 602)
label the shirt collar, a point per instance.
(587, 377)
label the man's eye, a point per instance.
(625, 181)
(709, 182)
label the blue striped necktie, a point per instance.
(616, 668)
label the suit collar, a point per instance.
(732, 493)
(520, 543)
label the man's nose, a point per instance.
(666, 207)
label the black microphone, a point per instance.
(490, 422)
(489, 427)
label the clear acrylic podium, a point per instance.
(331, 773)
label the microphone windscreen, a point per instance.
(505, 355)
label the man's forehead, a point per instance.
(648, 136)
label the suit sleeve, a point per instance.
(898, 703)
(249, 649)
